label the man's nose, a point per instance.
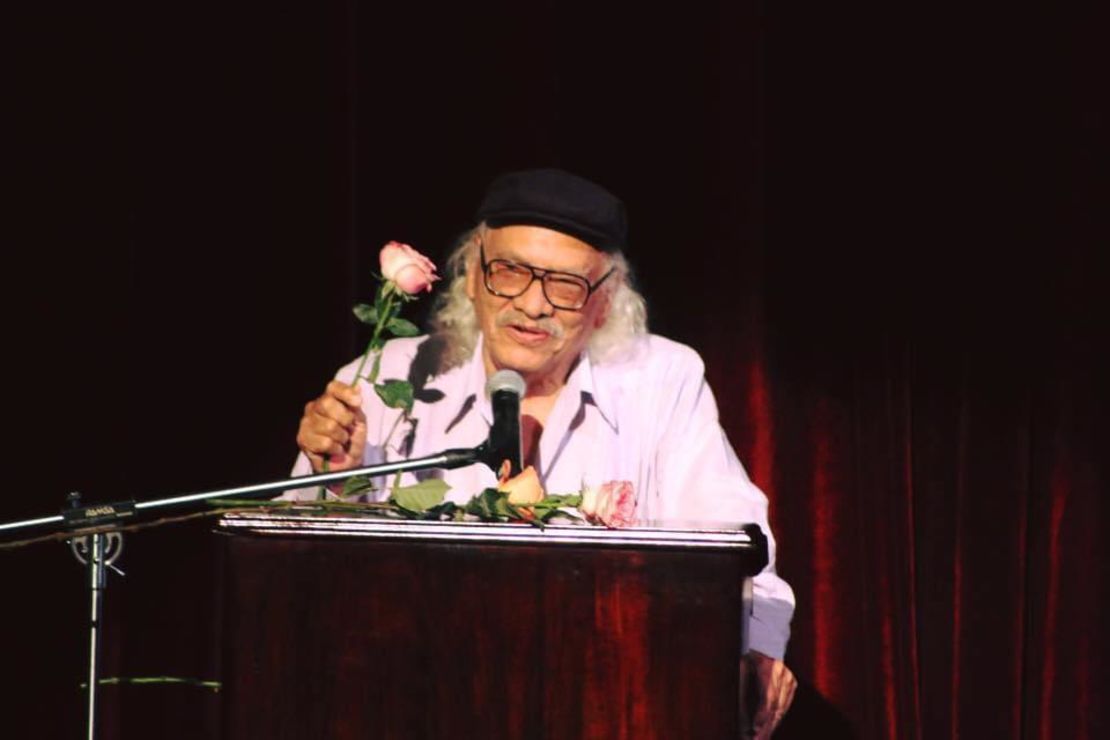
(533, 302)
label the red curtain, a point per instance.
(936, 503)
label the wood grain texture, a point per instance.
(347, 638)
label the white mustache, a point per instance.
(545, 324)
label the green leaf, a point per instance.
(492, 505)
(366, 313)
(447, 510)
(356, 485)
(573, 500)
(422, 496)
(545, 515)
(403, 328)
(396, 394)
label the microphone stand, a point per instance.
(99, 549)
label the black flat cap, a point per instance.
(557, 200)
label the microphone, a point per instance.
(505, 389)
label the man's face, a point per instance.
(527, 333)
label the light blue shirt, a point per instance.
(647, 417)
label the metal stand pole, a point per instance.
(98, 552)
(77, 516)
(96, 587)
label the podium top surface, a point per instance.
(293, 523)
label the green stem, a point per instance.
(375, 343)
(386, 303)
(118, 680)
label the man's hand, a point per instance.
(333, 428)
(775, 684)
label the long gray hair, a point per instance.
(455, 321)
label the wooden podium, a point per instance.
(344, 627)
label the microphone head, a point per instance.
(506, 380)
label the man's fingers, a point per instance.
(331, 407)
(319, 444)
(787, 686)
(764, 720)
(777, 693)
(776, 685)
(331, 417)
(345, 393)
(764, 724)
(328, 427)
(358, 435)
(333, 428)
(317, 461)
(317, 434)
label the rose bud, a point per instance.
(406, 268)
(612, 504)
(524, 488)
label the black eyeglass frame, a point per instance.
(540, 274)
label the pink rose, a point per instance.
(524, 488)
(406, 268)
(613, 504)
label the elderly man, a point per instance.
(540, 286)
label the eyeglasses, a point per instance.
(564, 290)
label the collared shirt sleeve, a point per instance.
(702, 480)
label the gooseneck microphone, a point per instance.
(505, 388)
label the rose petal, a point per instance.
(406, 268)
(613, 504)
(524, 488)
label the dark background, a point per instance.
(884, 231)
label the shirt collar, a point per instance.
(583, 381)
